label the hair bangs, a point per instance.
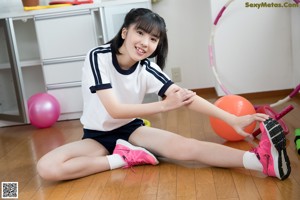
(151, 24)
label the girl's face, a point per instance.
(138, 44)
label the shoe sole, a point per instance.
(278, 150)
(127, 144)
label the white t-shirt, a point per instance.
(102, 71)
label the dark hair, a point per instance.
(149, 22)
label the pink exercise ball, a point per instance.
(43, 110)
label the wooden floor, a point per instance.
(22, 146)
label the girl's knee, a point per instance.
(47, 170)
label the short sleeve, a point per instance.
(95, 75)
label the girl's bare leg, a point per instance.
(170, 145)
(73, 160)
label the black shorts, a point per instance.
(108, 138)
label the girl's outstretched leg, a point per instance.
(269, 157)
(173, 146)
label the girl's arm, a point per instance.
(238, 123)
(175, 98)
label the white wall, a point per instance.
(10, 4)
(295, 21)
(188, 24)
(253, 47)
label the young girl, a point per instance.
(115, 78)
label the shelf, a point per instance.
(10, 112)
(26, 63)
(30, 63)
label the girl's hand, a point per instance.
(177, 97)
(241, 122)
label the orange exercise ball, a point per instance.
(238, 106)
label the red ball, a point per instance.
(238, 106)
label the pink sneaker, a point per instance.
(272, 150)
(133, 155)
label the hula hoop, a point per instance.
(211, 46)
(213, 64)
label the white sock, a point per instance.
(115, 161)
(250, 161)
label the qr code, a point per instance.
(9, 190)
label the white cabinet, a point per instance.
(65, 34)
(70, 101)
(63, 72)
(64, 39)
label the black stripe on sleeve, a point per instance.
(162, 91)
(100, 87)
(93, 58)
(160, 76)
